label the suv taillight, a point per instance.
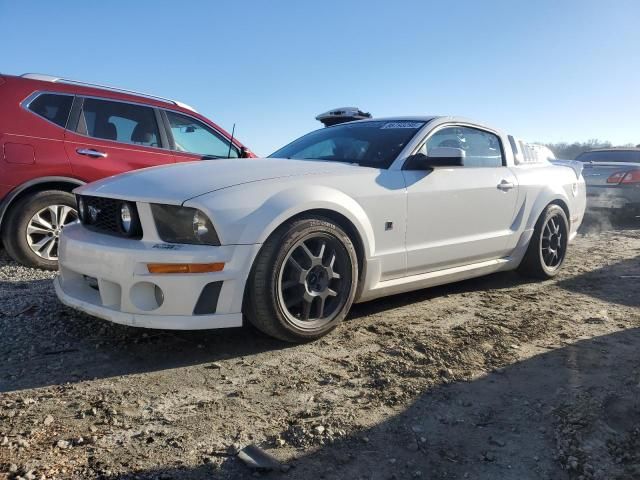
(626, 177)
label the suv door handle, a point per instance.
(90, 152)
(505, 185)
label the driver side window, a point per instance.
(192, 136)
(482, 149)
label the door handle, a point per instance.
(90, 152)
(505, 185)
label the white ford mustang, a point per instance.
(347, 213)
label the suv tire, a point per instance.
(32, 227)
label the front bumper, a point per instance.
(107, 277)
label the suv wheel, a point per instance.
(32, 227)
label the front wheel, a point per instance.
(548, 245)
(303, 281)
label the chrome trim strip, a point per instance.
(54, 79)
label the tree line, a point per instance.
(570, 151)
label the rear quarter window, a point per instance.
(53, 107)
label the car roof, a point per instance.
(614, 149)
(426, 118)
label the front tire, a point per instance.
(303, 280)
(548, 246)
(32, 227)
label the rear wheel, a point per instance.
(33, 225)
(303, 281)
(548, 245)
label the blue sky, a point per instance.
(543, 70)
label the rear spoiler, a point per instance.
(573, 164)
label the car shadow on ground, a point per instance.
(604, 283)
(45, 343)
(560, 414)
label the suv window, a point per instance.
(193, 136)
(482, 148)
(118, 121)
(53, 107)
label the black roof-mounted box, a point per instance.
(341, 115)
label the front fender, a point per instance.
(244, 217)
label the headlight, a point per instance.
(125, 218)
(184, 225)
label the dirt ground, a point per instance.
(493, 378)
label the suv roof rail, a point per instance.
(54, 79)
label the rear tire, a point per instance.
(548, 246)
(32, 226)
(303, 280)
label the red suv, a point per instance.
(57, 134)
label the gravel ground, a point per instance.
(489, 378)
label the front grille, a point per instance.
(103, 215)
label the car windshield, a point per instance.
(622, 156)
(367, 143)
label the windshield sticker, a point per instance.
(402, 125)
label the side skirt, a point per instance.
(439, 277)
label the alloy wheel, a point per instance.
(553, 242)
(44, 228)
(314, 281)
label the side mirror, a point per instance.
(438, 157)
(243, 152)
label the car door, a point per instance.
(192, 139)
(460, 215)
(111, 137)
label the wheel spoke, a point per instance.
(294, 263)
(320, 308)
(41, 221)
(306, 309)
(33, 229)
(38, 246)
(323, 246)
(307, 252)
(54, 212)
(53, 244)
(64, 214)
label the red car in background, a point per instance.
(57, 134)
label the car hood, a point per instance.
(175, 184)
